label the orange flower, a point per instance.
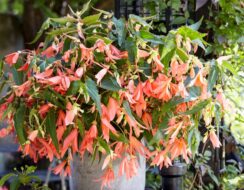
(71, 112)
(44, 109)
(70, 140)
(22, 89)
(147, 119)
(59, 168)
(24, 67)
(214, 139)
(107, 178)
(12, 58)
(3, 132)
(129, 166)
(178, 147)
(161, 159)
(99, 76)
(33, 134)
(87, 142)
(52, 50)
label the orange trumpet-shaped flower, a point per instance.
(214, 139)
(178, 147)
(107, 178)
(71, 112)
(12, 58)
(22, 89)
(70, 140)
(161, 159)
(59, 168)
(99, 76)
(129, 166)
(87, 142)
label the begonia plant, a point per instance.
(106, 86)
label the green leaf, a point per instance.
(84, 8)
(44, 27)
(197, 107)
(1, 67)
(186, 31)
(61, 31)
(194, 139)
(139, 20)
(92, 19)
(213, 75)
(120, 30)
(179, 20)
(15, 184)
(63, 20)
(182, 54)
(81, 127)
(104, 145)
(51, 127)
(92, 39)
(5, 178)
(168, 47)
(110, 83)
(19, 118)
(119, 137)
(18, 76)
(74, 88)
(131, 47)
(149, 37)
(53, 98)
(126, 106)
(196, 25)
(228, 66)
(213, 177)
(93, 93)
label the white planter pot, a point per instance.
(84, 175)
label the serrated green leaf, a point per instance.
(44, 27)
(110, 83)
(197, 107)
(186, 31)
(131, 47)
(93, 93)
(63, 20)
(81, 127)
(5, 178)
(18, 76)
(104, 145)
(182, 54)
(85, 7)
(120, 30)
(196, 25)
(61, 31)
(53, 98)
(228, 66)
(179, 20)
(15, 184)
(126, 106)
(168, 47)
(74, 88)
(149, 37)
(19, 118)
(139, 20)
(92, 19)
(51, 127)
(92, 39)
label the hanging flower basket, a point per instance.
(99, 86)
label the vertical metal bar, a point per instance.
(168, 13)
(117, 8)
